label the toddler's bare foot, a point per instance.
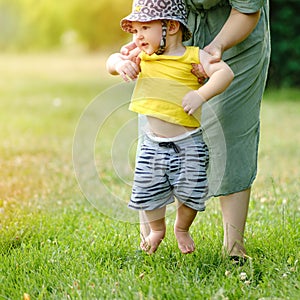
(152, 241)
(185, 242)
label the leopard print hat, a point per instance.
(151, 10)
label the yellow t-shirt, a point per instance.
(162, 84)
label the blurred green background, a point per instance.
(42, 25)
(28, 25)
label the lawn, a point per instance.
(65, 235)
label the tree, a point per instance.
(285, 39)
(97, 22)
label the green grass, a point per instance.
(55, 244)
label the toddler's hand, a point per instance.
(191, 102)
(128, 70)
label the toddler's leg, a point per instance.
(184, 219)
(156, 219)
(144, 224)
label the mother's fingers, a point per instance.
(199, 72)
(131, 73)
(126, 49)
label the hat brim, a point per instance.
(126, 24)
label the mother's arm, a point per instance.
(235, 30)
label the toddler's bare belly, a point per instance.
(165, 129)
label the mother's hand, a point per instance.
(216, 52)
(131, 51)
(199, 72)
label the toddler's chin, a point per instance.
(150, 52)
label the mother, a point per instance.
(237, 31)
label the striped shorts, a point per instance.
(165, 170)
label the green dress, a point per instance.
(231, 120)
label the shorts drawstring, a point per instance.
(170, 145)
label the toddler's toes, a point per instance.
(185, 242)
(185, 249)
(152, 241)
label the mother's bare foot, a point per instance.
(152, 241)
(185, 242)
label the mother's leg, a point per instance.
(235, 209)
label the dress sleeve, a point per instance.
(247, 6)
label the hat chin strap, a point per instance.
(163, 41)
